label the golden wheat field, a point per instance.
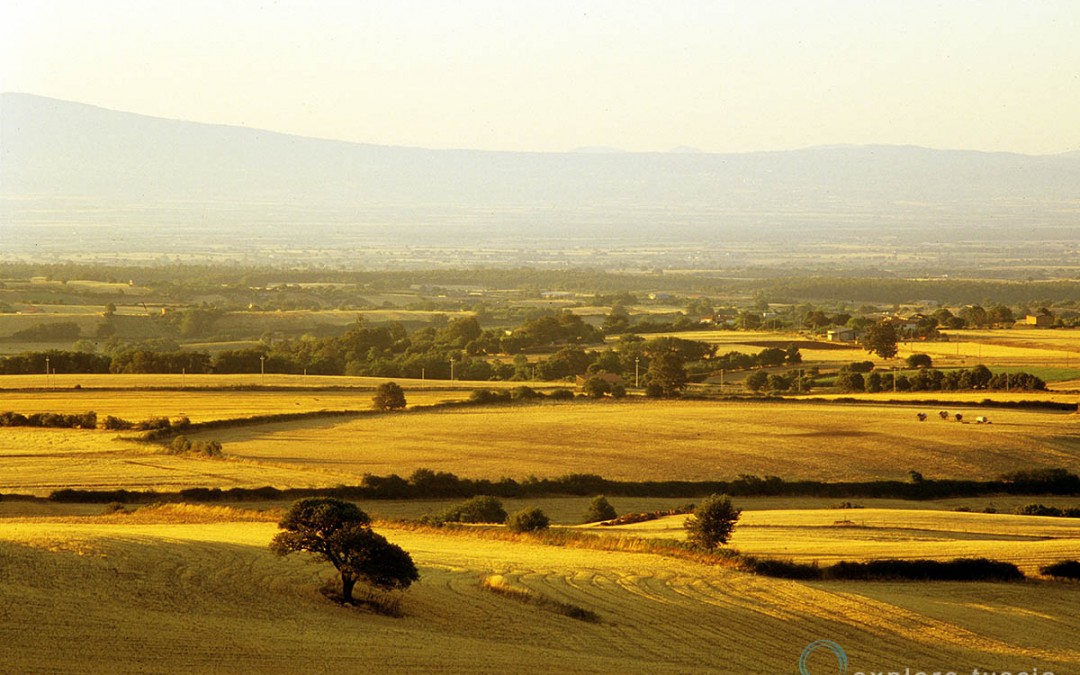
(194, 589)
(680, 440)
(191, 594)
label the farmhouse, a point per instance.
(841, 335)
(1039, 320)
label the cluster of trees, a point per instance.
(779, 382)
(931, 379)
(461, 348)
(766, 358)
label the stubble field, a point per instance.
(195, 589)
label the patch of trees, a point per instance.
(766, 358)
(60, 331)
(930, 379)
(779, 382)
(182, 445)
(32, 363)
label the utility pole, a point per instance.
(46, 371)
(451, 368)
(262, 368)
(637, 360)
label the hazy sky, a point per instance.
(718, 75)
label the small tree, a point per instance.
(600, 509)
(713, 522)
(527, 520)
(389, 396)
(339, 533)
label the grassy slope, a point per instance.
(209, 597)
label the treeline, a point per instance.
(461, 348)
(931, 379)
(429, 484)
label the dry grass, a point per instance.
(685, 440)
(210, 597)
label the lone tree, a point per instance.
(881, 339)
(713, 522)
(389, 396)
(339, 533)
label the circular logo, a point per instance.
(841, 656)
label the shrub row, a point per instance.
(959, 569)
(52, 420)
(428, 484)
(1042, 510)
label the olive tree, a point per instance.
(339, 533)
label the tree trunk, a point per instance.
(347, 583)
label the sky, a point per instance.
(552, 76)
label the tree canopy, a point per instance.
(881, 339)
(338, 532)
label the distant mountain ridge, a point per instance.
(230, 179)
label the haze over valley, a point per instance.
(84, 182)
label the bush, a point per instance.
(713, 522)
(527, 520)
(919, 360)
(1038, 510)
(599, 509)
(654, 390)
(479, 509)
(1066, 569)
(388, 396)
(561, 395)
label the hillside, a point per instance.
(208, 597)
(82, 168)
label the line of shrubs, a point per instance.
(1053, 511)
(52, 420)
(429, 484)
(959, 569)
